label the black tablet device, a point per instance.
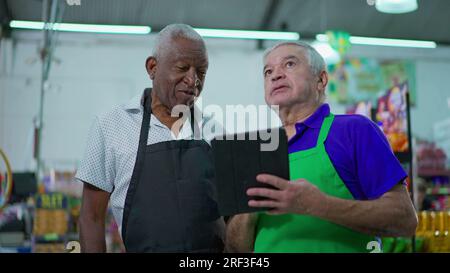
(239, 158)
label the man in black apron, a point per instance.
(171, 204)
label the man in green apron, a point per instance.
(346, 186)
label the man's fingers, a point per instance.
(263, 204)
(275, 181)
(271, 194)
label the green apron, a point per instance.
(301, 233)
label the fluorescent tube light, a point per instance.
(396, 6)
(330, 55)
(204, 32)
(113, 29)
(383, 41)
(247, 34)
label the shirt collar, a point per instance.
(316, 119)
(134, 103)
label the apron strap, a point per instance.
(326, 125)
(140, 158)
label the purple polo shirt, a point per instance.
(358, 149)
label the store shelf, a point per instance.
(433, 172)
(50, 238)
(439, 191)
(18, 249)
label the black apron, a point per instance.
(171, 201)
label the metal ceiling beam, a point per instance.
(52, 12)
(269, 14)
(5, 18)
(6, 14)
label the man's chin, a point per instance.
(184, 103)
(278, 102)
(184, 100)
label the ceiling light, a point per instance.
(247, 34)
(383, 42)
(396, 6)
(113, 29)
(204, 32)
(330, 55)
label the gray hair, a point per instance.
(315, 60)
(173, 31)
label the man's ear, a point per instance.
(150, 65)
(323, 81)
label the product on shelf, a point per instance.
(398, 244)
(429, 156)
(434, 229)
(51, 222)
(48, 221)
(437, 193)
(62, 182)
(441, 233)
(49, 248)
(57, 210)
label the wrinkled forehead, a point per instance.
(284, 51)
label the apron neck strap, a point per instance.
(147, 114)
(326, 125)
(145, 119)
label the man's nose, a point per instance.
(277, 74)
(191, 78)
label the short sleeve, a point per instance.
(378, 169)
(97, 167)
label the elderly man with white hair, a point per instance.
(155, 169)
(346, 186)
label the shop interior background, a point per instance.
(92, 72)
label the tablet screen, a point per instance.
(239, 158)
